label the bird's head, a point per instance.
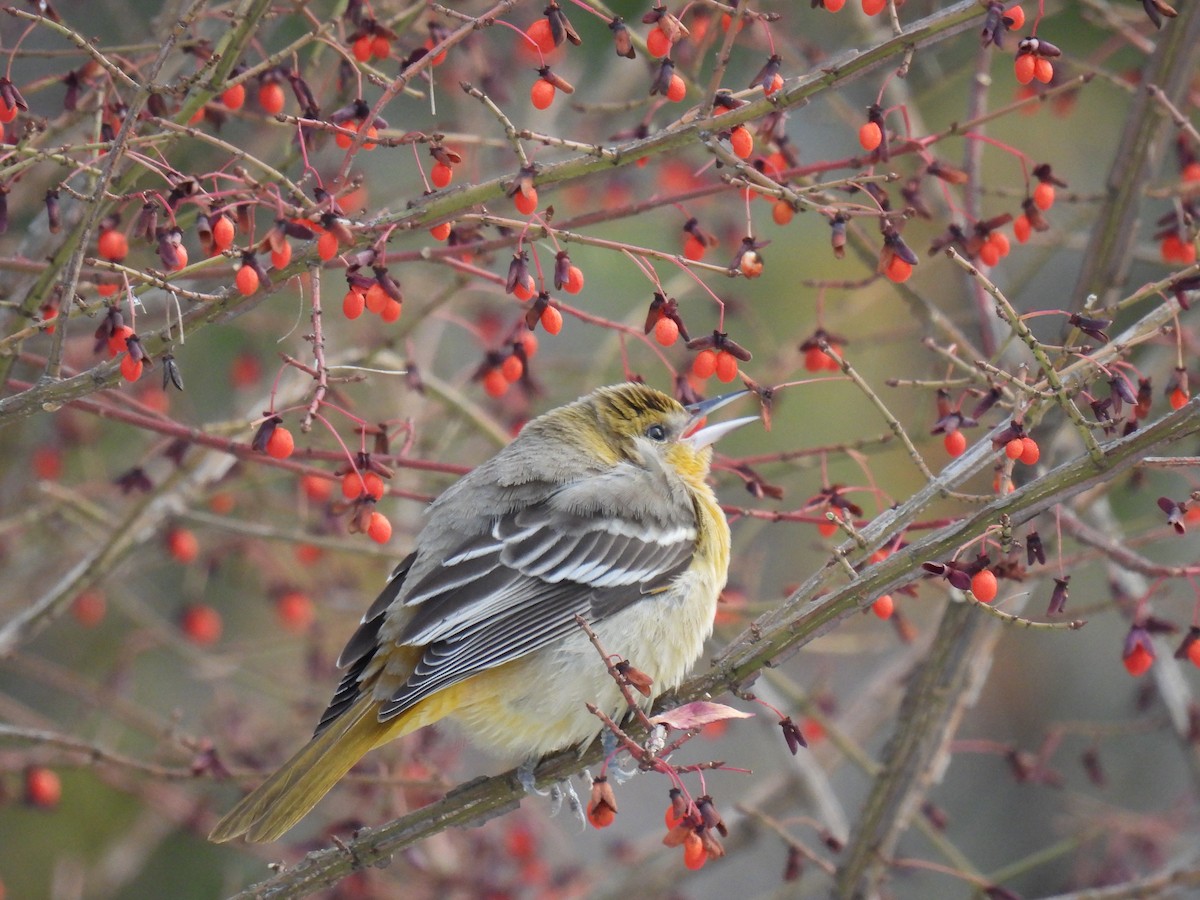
(634, 421)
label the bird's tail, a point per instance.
(286, 797)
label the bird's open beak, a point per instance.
(710, 434)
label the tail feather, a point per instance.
(283, 799)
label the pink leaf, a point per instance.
(697, 714)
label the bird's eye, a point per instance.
(656, 433)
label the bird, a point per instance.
(600, 508)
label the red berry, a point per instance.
(1193, 653)
(1178, 398)
(1139, 660)
(247, 280)
(131, 369)
(281, 258)
(1043, 195)
(1190, 174)
(658, 44)
(88, 608)
(373, 485)
(526, 203)
(380, 529)
(440, 231)
(775, 84)
(381, 47)
(316, 488)
(181, 258)
(541, 95)
(234, 97)
(201, 624)
(1043, 70)
(512, 368)
(726, 366)
(984, 586)
(117, 340)
(989, 254)
(705, 364)
(353, 303)
(295, 611)
(601, 815)
(352, 485)
(873, 7)
(441, 175)
(1022, 228)
(182, 545)
(884, 606)
(222, 232)
(270, 97)
(7, 113)
(113, 245)
(542, 35)
(1030, 451)
(782, 212)
(552, 320)
(391, 310)
(742, 142)
(361, 48)
(327, 246)
(694, 248)
(666, 331)
(494, 383)
(677, 89)
(834, 5)
(524, 288)
(281, 443)
(898, 270)
(1000, 242)
(694, 854)
(1014, 448)
(1024, 67)
(376, 299)
(1014, 18)
(574, 282)
(43, 788)
(870, 136)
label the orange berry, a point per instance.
(270, 97)
(658, 44)
(1022, 228)
(742, 142)
(327, 246)
(705, 364)
(316, 488)
(107, 288)
(524, 288)
(246, 280)
(1024, 67)
(1190, 173)
(726, 366)
(1138, 662)
(440, 58)
(281, 258)
(782, 212)
(552, 320)
(380, 529)
(989, 254)
(694, 248)
(381, 47)
(281, 443)
(1193, 653)
(234, 97)
(542, 35)
(376, 299)
(222, 232)
(694, 854)
(775, 84)
(295, 611)
(441, 175)
(1043, 70)
(181, 259)
(201, 624)
(541, 95)
(873, 7)
(353, 303)
(1015, 17)
(870, 136)
(131, 369)
(440, 231)
(601, 815)
(666, 331)
(677, 89)
(7, 113)
(1014, 448)
(526, 203)
(352, 485)
(361, 48)
(834, 5)
(182, 545)
(574, 282)
(1178, 398)
(884, 606)
(43, 788)
(898, 270)
(371, 132)
(113, 245)
(1043, 195)
(1000, 242)
(116, 340)
(391, 310)
(750, 264)
(494, 383)
(1030, 451)
(984, 586)
(373, 485)
(512, 368)
(88, 608)
(530, 342)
